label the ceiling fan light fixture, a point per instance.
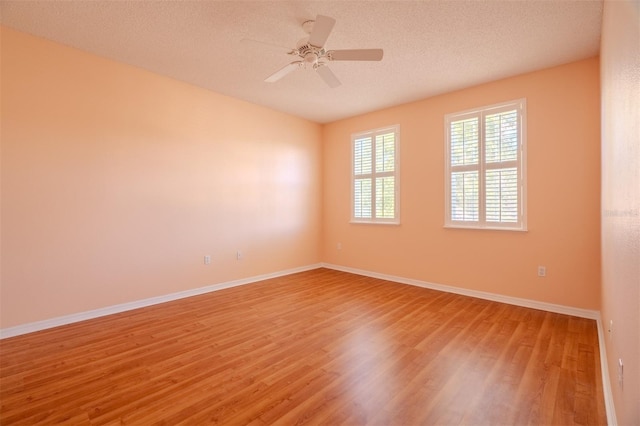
(311, 58)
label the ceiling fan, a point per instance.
(311, 53)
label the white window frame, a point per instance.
(373, 175)
(482, 167)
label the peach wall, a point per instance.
(116, 182)
(620, 53)
(563, 195)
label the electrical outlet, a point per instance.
(239, 255)
(207, 260)
(339, 246)
(542, 271)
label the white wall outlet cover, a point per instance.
(542, 271)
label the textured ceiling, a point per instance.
(430, 47)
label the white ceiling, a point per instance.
(430, 47)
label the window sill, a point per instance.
(373, 222)
(485, 228)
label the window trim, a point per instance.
(521, 162)
(396, 174)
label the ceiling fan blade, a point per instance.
(283, 71)
(355, 55)
(328, 76)
(321, 30)
(265, 46)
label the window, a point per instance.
(485, 167)
(375, 176)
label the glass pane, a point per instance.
(464, 196)
(385, 197)
(385, 152)
(501, 137)
(362, 153)
(362, 198)
(464, 142)
(502, 195)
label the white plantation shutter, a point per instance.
(362, 198)
(464, 196)
(362, 163)
(465, 163)
(502, 195)
(362, 169)
(385, 197)
(485, 168)
(501, 158)
(465, 138)
(375, 183)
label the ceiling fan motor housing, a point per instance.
(310, 54)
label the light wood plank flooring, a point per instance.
(318, 347)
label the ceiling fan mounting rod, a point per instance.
(307, 26)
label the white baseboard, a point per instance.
(527, 303)
(82, 316)
(606, 381)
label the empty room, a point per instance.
(320, 212)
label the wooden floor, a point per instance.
(319, 347)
